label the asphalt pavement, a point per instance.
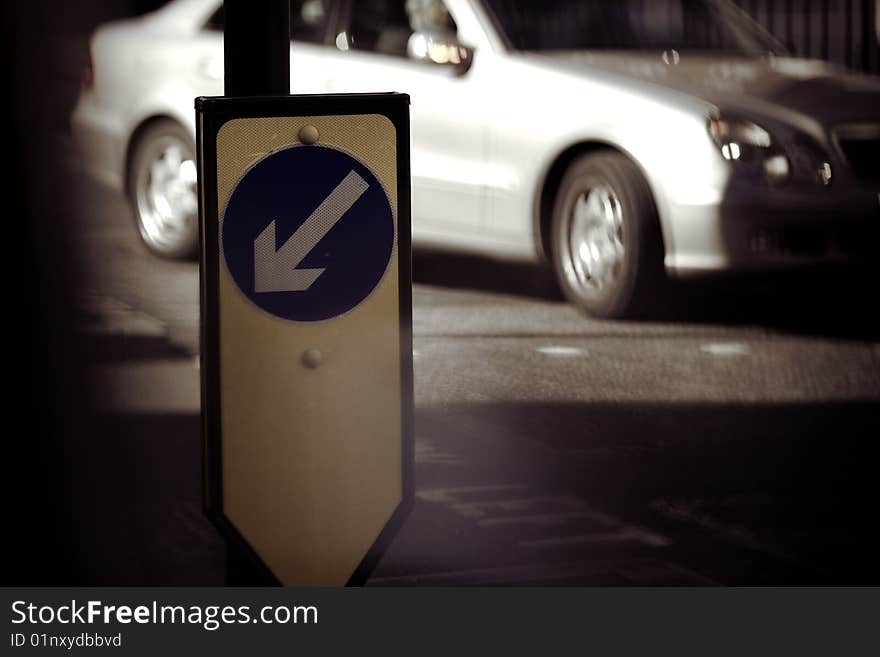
(731, 439)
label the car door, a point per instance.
(311, 49)
(310, 39)
(448, 141)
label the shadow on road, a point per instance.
(136, 508)
(833, 303)
(475, 273)
(788, 487)
(104, 349)
(131, 485)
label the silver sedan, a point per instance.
(619, 141)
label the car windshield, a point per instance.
(683, 25)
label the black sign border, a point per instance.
(211, 114)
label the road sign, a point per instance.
(306, 329)
(326, 234)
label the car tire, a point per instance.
(607, 247)
(162, 190)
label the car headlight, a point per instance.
(752, 150)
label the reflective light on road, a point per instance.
(559, 350)
(726, 349)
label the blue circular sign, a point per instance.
(307, 233)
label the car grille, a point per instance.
(860, 146)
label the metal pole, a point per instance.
(256, 48)
(869, 36)
(789, 27)
(826, 16)
(848, 34)
(256, 62)
(808, 27)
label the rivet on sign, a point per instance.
(308, 134)
(311, 358)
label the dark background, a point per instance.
(51, 439)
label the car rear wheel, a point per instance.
(162, 187)
(607, 247)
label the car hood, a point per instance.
(793, 90)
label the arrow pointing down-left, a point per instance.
(275, 270)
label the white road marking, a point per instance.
(561, 351)
(480, 509)
(624, 534)
(427, 452)
(539, 519)
(450, 495)
(726, 349)
(540, 511)
(731, 532)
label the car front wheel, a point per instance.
(162, 187)
(607, 247)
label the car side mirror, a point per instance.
(439, 50)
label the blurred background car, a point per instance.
(618, 141)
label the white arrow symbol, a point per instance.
(276, 270)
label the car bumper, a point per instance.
(761, 229)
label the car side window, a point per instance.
(216, 22)
(308, 20)
(385, 26)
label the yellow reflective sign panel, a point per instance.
(306, 313)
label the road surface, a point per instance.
(732, 440)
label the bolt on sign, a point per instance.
(306, 300)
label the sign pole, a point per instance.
(306, 315)
(256, 62)
(256, 48)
